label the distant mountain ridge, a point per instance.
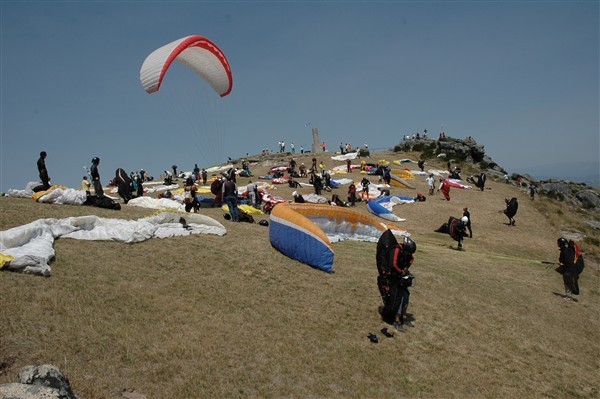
(577, 172)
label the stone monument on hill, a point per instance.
(316, 145)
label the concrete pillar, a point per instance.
(316, 145)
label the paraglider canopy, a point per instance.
(197, 53)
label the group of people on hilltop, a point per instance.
(393, 258)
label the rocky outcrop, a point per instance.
(588, 198)
(466, 150)
(39, 381)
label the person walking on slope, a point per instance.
(98, 190)
(393, 280)
(445, 188)
(512, 206)
(570, 266)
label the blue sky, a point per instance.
(522, 78)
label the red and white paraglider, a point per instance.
(197, 53)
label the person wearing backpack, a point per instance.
(571, 265)
(393, 261)
(512, 206)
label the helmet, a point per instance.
(561, 242)
(95, 160)
(295, 193)
(464, 219)
(409, 246)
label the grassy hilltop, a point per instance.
(215, 317)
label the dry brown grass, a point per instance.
(205, 316)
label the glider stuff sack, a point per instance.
(102, 202)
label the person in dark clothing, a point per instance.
(204, 174)
(96, 177)
(365, 189)
(481, 181)
(41, 165)
(216, 187)
(316, 181)
(123, 185)
(140, 185)
(421, 164)
(335, 199)
(352, 194)
(456, 228)
(298, 198)
(570, 266)
(230, 198)
(467, 214)
(511, 210)
(174, 170)
(393, 262)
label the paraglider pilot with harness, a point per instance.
(393, 261)
(570, 266)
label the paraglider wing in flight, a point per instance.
(197, 53)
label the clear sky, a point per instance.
(521, 77)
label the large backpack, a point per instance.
(215, 186)
(578, 260)
(386, 246)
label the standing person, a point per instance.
(317, 182)
(365, 189)
(189, 195)
(352, 194)
(204, 176)
(323, 146)
(506, 178)
(421, 164)
(511, 210)
(96, 177)
(123, 185)
(467, 214)
(174, 167)
(393, 262)
(230, 197)
(387, 177)
(139, 191)
(301, 149)
(293, 147)
(251, 192)
(481, 181)
(41, 165)
(431, 184)
(348, 165)
(196, 172)
(570, 266)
